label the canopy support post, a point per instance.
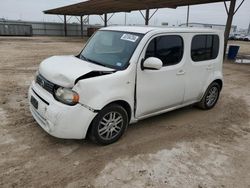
(147, 17)
(65, 26)
(125, 18)
(81, 26)
(105, 20)
(187, 23)
(229, 23)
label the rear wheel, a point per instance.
(109, 125)
(210, 97)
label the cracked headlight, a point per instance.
(66, 96)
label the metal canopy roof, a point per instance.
(99, 7)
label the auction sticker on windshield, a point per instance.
(129, 37)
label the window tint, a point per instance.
(169, 49)
(205, 47)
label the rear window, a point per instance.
(205, 47)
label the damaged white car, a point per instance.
(125, 74)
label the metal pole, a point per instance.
(105, 20)
(125, 18)
(147, 17)
(65, 25)
(248, 32)
(81, 27)
(187, 16)
(229, 23)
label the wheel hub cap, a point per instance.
(110, 125)
(212, 96)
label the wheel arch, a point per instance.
(218, 81)
(123, 104)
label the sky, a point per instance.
(215, 13)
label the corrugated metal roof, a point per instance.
(100, 7)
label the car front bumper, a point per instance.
(57, 119)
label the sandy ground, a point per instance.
(183, 148)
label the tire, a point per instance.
(109, 125)
(210, 97)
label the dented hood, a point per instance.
(65, 70)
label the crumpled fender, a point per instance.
(99, 91)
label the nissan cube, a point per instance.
(123, 75)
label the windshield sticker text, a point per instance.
(129, 37)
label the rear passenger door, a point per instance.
(203, 55)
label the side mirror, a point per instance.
(152, 63)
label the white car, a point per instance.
(246, 38)
(125, 74)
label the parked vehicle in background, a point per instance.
(246, 38)
(123, 75)
(231, 37)
(238, 36)
(234, 36)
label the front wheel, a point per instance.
(210, 97)
(109, 125)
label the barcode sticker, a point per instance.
(129, 37)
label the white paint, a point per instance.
(152, 63)
(147, 29)
(64, 70)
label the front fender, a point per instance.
(99, 91)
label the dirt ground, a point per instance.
(184, 148)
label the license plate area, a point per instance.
(34, 102)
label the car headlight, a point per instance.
(66, 96)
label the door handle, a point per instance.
(181, 72)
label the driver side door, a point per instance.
(158, 90)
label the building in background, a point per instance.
(27, 28)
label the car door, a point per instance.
(157, 90)
(200, 67)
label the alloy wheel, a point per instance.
(110, 125)
(212, 96)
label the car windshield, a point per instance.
(111, 49)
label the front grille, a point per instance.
(46, 84)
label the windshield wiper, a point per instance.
(83, 58)
(92, 61)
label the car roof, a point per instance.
(146, 29)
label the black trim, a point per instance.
(142, 64)
(94, 74)
(45, 84)
(40, 97)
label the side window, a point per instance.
(204, 47)
(168, 48)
